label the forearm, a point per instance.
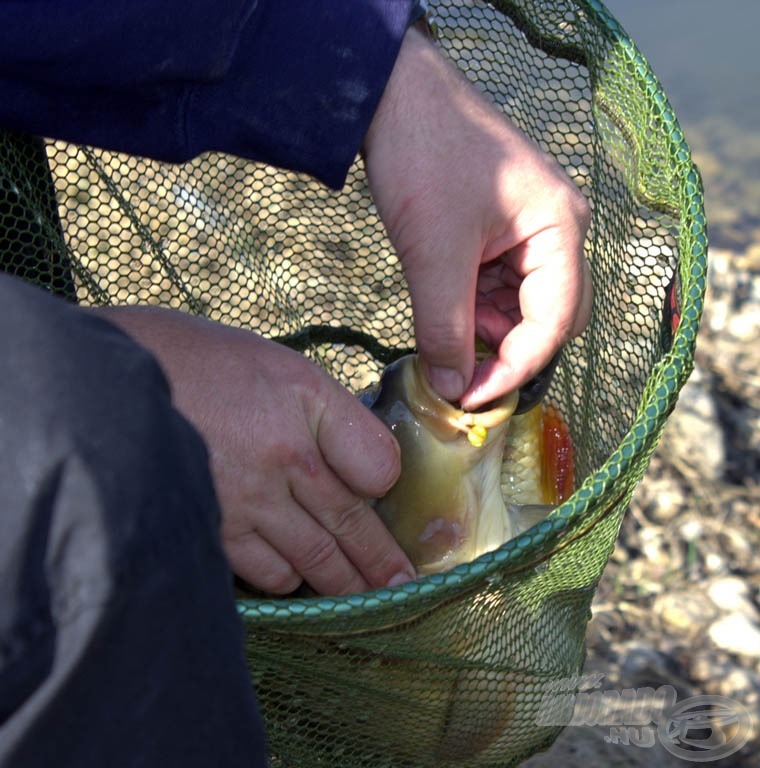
(294, 84)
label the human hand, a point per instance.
(294, 455)
(489, 229)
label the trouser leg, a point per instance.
(119, 640)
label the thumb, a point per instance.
(443, 303)
(356, 444)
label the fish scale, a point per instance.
(521, 478)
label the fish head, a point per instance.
(404, 394)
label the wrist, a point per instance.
(407, 82)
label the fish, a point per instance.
(470, 480)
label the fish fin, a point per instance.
(557, 458)
(475, 718)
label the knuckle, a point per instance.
(350, 521)
(566, 198)
(270, 574)
(560, 329)
(444, 338)
(388, 470)
(258, 565)
(574, 201)
(564, 331)
(385, 460)
(319, 555)
(582, 209)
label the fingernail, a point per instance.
(402, 577)
(447, 382)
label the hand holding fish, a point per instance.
(489, 228)
(294, 455)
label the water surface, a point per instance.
(705, 54)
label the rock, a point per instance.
(708, 666)
(736, 633)
(751, 257)
(641, 665)
(730, 593)
(684, 612)
(718, 674)
(738, 548)
(719, 298)
(585, 747)
(662, 498)
(695, 423)
(647, 576)
(745, 325)
(741, 684)
(690, 530)
(653, 546)
(714, 563)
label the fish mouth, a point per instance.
(451, 417)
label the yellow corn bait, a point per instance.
(477, 435)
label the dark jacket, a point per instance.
(291, 82)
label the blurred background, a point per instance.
(678, 603)
(705, 53)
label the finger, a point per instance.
(443, 303)
(355, 531)
(497, 309)
(355, 444)
(555, 304)
(259, 564)
(310, 549)
(528, 343)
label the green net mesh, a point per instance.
(450, 670)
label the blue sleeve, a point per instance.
(294, 83)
